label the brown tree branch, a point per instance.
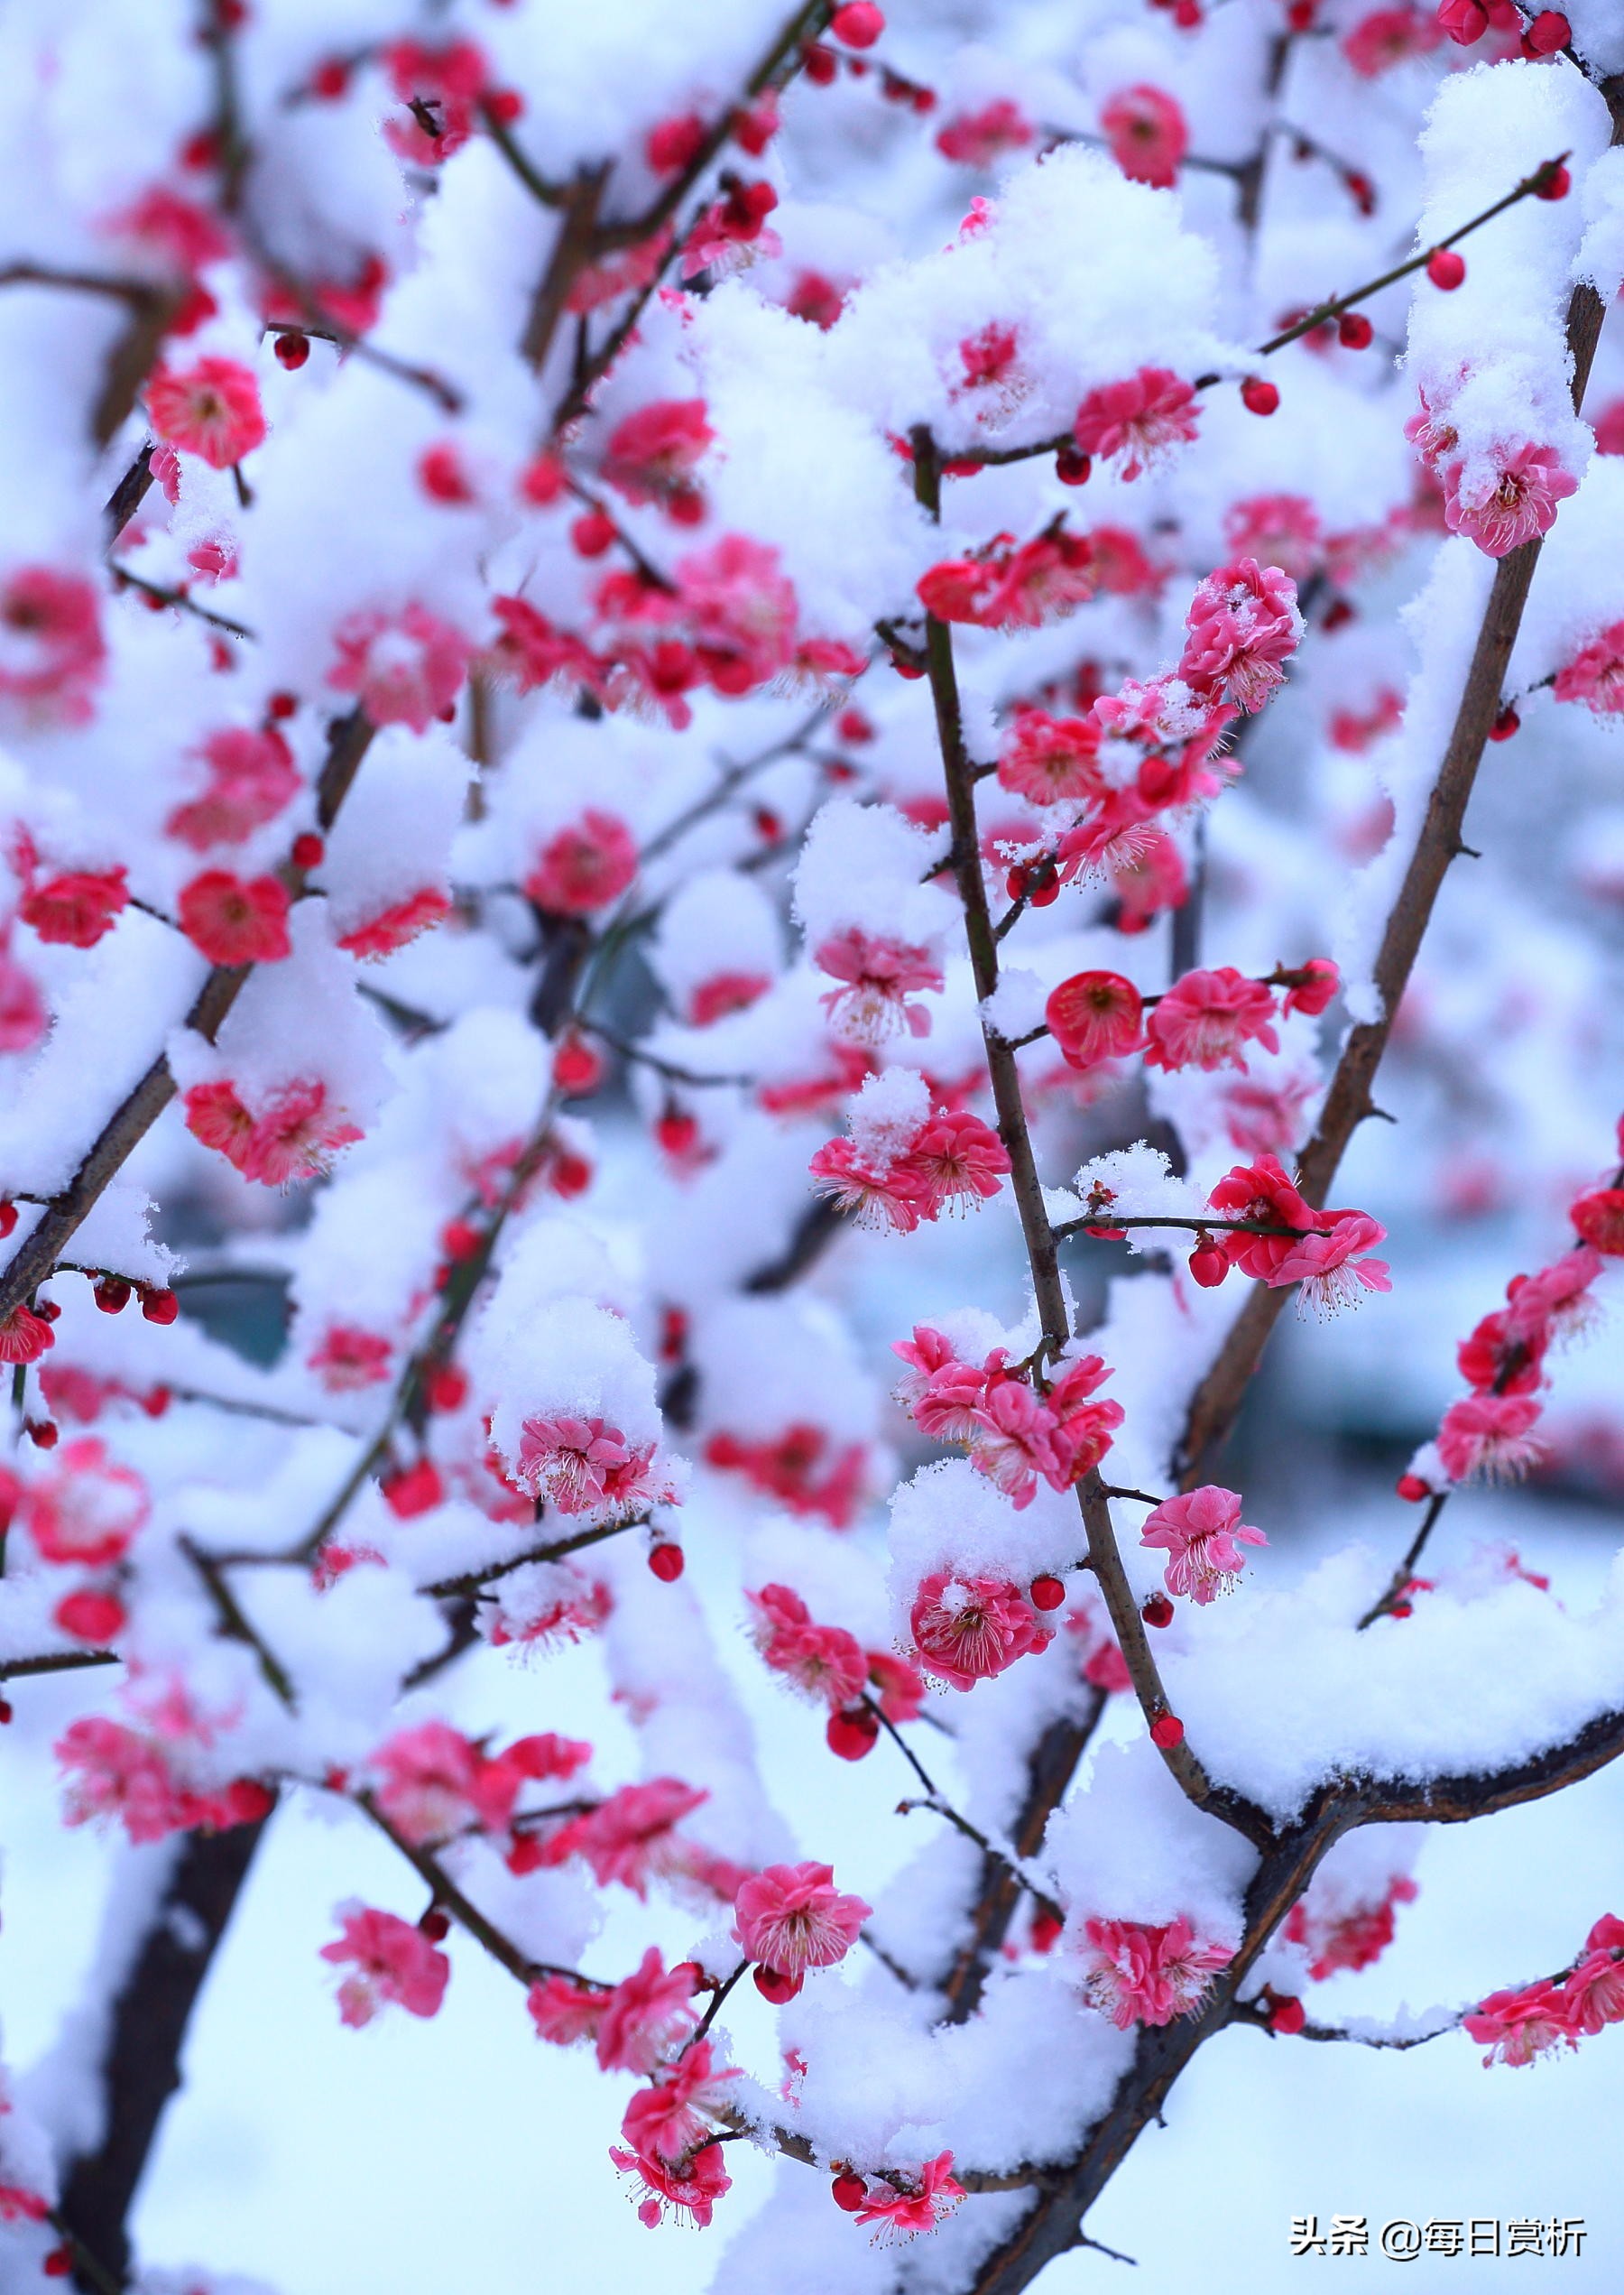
(140, 2067)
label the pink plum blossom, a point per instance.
(1202, 1532)
(1331, 1266)
(1139, 1974)
(1512, 504)
(405, 669)
(1242, 622)
(915, 2204)
(394, 1964)
(968, 1628)
(1206, 1018)
(1139, 421)
(790, 1918)
(1489, 1434)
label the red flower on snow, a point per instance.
(651, 454)
(586, 1466)
(584, 868)
(879, 975)
(394, 927)
(405, 669)
(1149, 1975)
(251, 779)
(75, 908)
(1051, 760)
(293, 1138)
(968, 1629)
(1509, 505)
(1137, 421)
(918, 2205)
(975, 139)
(52, 648)
(86, 1511)
(211, 409)
(1595, 675)
(1147, 135)
(233, 919)
(439, 87)
(632, 1836)
(1242, 622)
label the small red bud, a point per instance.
(1557, 185)
(851, 1734)
(666, 1561)
(1168, 1732)
(112, 1294)
(820, 64)
(1158, 1611)
(42, 1433)
(1299, 16)
(58, 2263)
(1208, 1264)
(858, 24)
(158, 1305)
(48, 1310)
(155, 1401)
(434, 1924)
(505, 105)
(1046, 1931)
(1411, 1487)
(542, 482)
(1258, 397)
(7, 1713)
(1354, 331)
(1073, 468)
(445, 1386)
(591, 533)
(1549, 33)
(1505, 724)
(329, 80)
(91, 1614)
(308, 849)
(281, 706)
(460, 1239)
(1048, 1592)
(1289, 2016)
(578, 1067)
(1402, 1609)
(8, 1219)
(1339, 612)
(849, 2191)
(292, 349)
(1446, 269)
(776, 1987)
(415, 1490)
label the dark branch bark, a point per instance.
(1284, 1871)
(1050, 1771)
(141, 2068)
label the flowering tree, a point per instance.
(639, 660)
